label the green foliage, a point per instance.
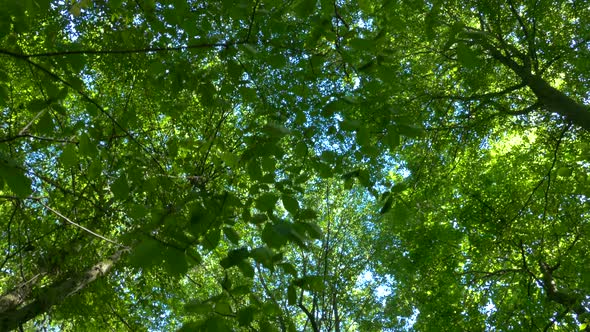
(286, 166)
(15, 178)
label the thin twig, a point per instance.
(49, 139)
(57, 213)
(127, 51)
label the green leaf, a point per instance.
(324, 170)
(364, 178)
(564, 171)
(95, 169)
(234, 258)
(231, 235)
(289, 269)
(190, 327)
(350, 125)
(387, 206)
(38, 104)
(290, 204)
(466, 56)
(335, 106)
(45, 125)
(310, 283)
(246, 269)
(193, 256)
(120, 187)
(365, 5)
(291, 295)
(329, 156)
(266, 202)
(275, 130)
(147, 253)
(216, 324)
(304, 8)
(198, 307)
(268, 178)
(392, 139)
(92, 110)
(258, 218)
(399, 187)
(254, 170)
(411, 131)
(59, 109)
(223, 308)
(363, 137)
(242, 290)
(268, 164)
(4, 96)
(246, 316)
(362, 44)
(137, 211)
(250, 49)
(307, 214)
(212, 238)
(234, 70)
(69, 156)
(262, 255)
(314, 231)
(175, 262)
(300, 149)
(86, 147)
(201, 220)
(297, 237)
(16, 180)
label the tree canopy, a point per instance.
(302, 165)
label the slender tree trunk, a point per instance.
(336, 314)
(55, 294)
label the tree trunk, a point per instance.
(550, 98)
(17, 296)
(55, 294)
(558, 102)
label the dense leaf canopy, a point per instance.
(303, 165)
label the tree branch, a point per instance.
(127, 51)
(57, 213)
(314, 324)
(40, 138)
(552, 99)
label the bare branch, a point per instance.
(57, 213)
(123, 51)
(40, 138)
(483, 95)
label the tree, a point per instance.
(493, 207)
(164, 165)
